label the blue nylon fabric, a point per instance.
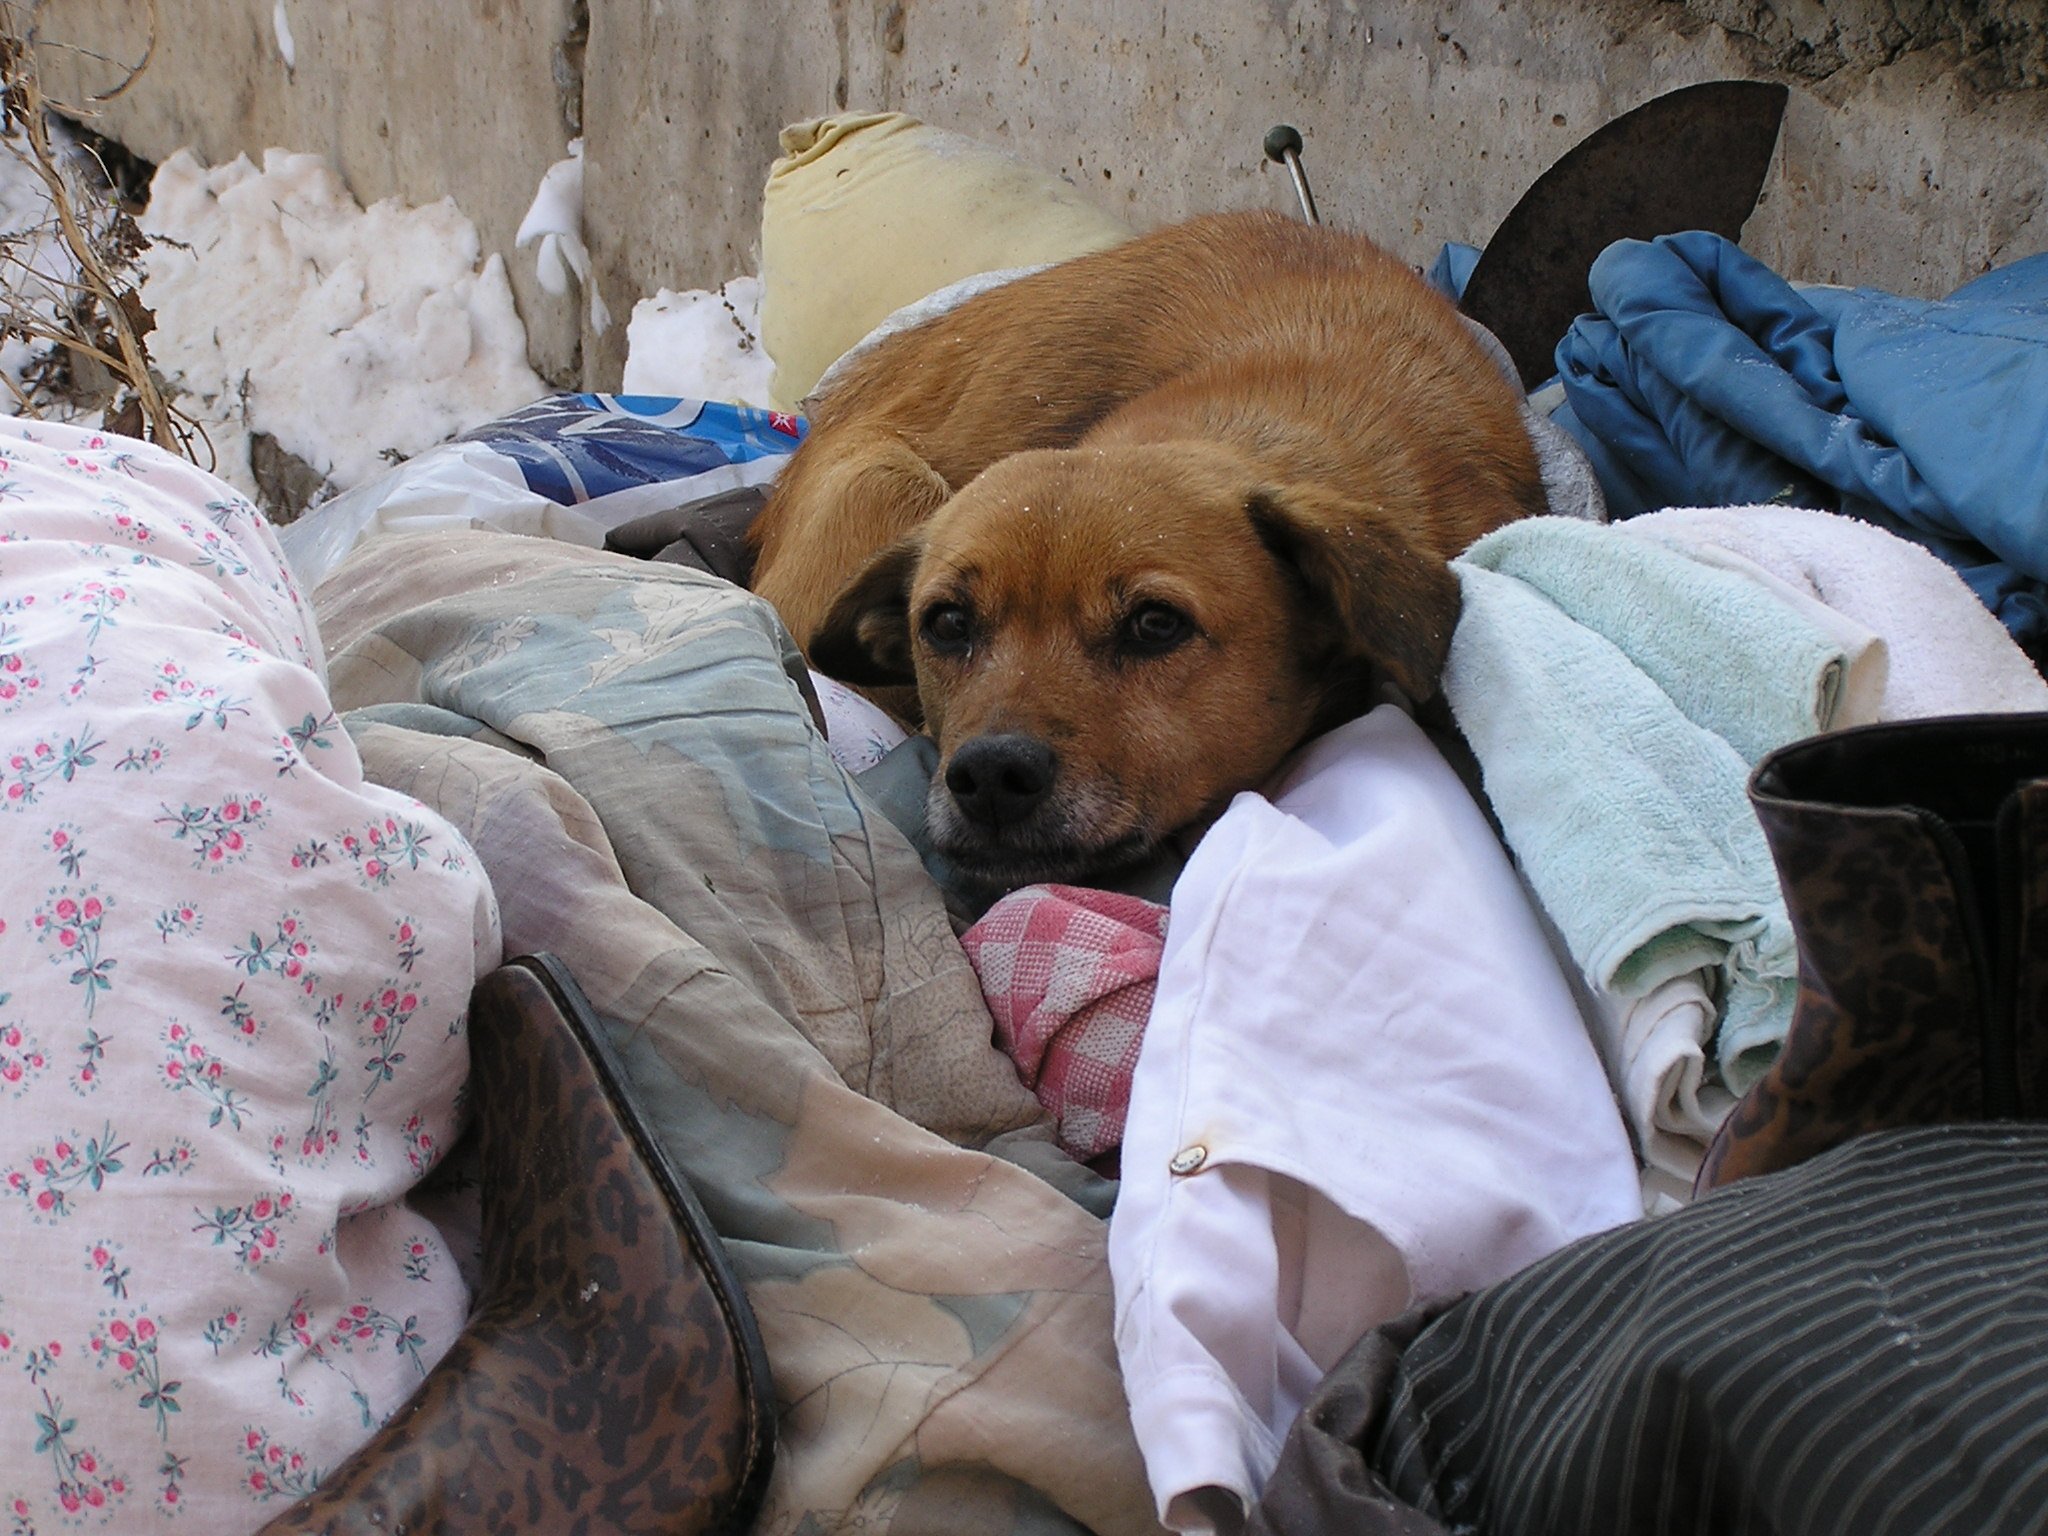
(1452, 269)
(1704, 378)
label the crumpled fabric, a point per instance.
(1704, 378)
(626, 745)
(1069, 974)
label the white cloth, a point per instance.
(1365, 1083)
(1655, 1047)
(233, 986)
(858, 731)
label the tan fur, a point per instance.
(1275, 431)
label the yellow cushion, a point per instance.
(866, 212)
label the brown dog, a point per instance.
(1139, 524)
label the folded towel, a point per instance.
(1615, 694)
(1860, 698)
(1733, 658)
(1914, 640)
(1947, 653)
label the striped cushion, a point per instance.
(1854, 1346)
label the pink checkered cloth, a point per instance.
(1069, 976)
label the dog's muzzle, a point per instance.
(1005, 814)
(999, 782)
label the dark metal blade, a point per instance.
(1694, 158)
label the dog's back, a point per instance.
(1308, 347)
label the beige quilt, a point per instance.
(628, 748)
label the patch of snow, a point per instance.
(704, 344)
(555, 219)
(351, 335)
(282, 25)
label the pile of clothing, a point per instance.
(1438, 1003)
(1334, 1172)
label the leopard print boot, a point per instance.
(1914, 859)
(610, 1378)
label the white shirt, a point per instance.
(1364, 1084)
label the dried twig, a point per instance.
(135, 70)
(129, 73)
(91, 308)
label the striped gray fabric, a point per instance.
(1859, 1345)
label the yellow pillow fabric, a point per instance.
(866, 212)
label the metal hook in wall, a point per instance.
(1283, 147)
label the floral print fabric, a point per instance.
(233, 978)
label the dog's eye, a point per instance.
(949, 629)
(1154, 629)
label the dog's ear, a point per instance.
(1388, 600)
(865, 637)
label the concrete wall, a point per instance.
(415, 99)
(1914, 154)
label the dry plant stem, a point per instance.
(148, 50)
(27, 34)
(135, 367)
(33, 329)
(162, 423)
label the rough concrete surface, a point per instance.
(461, 98)
(1421, 125)
(1914, 154)
(1999, 44)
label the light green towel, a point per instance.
(1731, 655)
(1616, 693)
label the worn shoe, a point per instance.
(1914, 859)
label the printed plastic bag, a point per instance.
(569, 466)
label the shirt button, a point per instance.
(1188, 1159)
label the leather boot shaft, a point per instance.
(1914, 861)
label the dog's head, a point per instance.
(1108, 643)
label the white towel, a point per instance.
(1932, 649)
(1731, 653)
(1655, 1049)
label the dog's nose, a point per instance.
(997, 781)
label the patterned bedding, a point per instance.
(629, 750)
(233, 978)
